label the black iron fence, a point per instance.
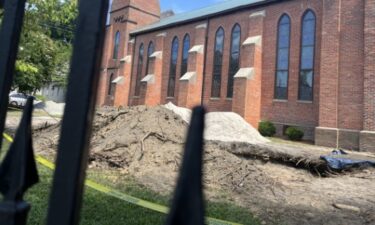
(18, 170)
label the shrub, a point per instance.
(267, 129)
(294, 134)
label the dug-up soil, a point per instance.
(278, 182)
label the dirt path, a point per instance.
(146, 143)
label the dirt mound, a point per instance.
(146, 143)
(223, 126)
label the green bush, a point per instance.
(294, 134)
(267, 129)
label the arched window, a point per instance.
(139, 71)
(218, 63)
(306, 76)
(234, 60)
(111, 85)
(185, 54)
(173, 68)
(150, 51)
(116, 45)
(282, 59)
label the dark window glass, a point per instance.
(150, 51)
(282, 62)
(218, 63)
(111, 86)
(185, 55)
(116, 46)
(173, 68)
(139, 71)
(306, 77)
(234, 60)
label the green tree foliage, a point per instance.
(45, 46)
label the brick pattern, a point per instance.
(351, 65)
(344, 69)
(292, 111)
(190, 93)
(151, 91)
(247, 92)
(369, 73)
(125, 16)
(123, 88)
(330, 65)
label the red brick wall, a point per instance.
(351, 65)
(227, 23)
(342, 68)
(179, 32)
(134, 14)
(369, 75)
(329, 66)
(344, 63)
(291, 111)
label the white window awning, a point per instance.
(247, 73)
(189, 76)
(150, 78)
(197, 49)
(118, 80)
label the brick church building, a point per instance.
(304, 63)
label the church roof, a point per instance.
(200, 14)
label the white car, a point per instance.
(17, 100)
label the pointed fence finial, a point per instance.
(18, 171)
(188, 204)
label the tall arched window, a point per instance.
(111, 85)
(218, 63)
(116, 45)
(139, 71)
(306, 77)
(173, 68)
(234, 60)
(185, 54)
(150, 51)
(282, 60)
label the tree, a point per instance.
(45, 45)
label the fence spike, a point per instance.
(188, 204)
(18, 171)
(10, 32)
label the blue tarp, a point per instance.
(336, 162)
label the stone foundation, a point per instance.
(347, 139)
(367, 141)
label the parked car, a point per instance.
(17, 100)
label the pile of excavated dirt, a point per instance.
(146, 143)
(223, 126)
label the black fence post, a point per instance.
(72, 156)
(188, 204)
(10, 33)
(18, 173)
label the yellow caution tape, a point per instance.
(116, 194)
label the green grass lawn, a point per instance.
(100, 209)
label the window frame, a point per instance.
(151, 44)
(277, 57)
(184, 66)
(170, 90)
(313, 56)
(111, 85)
(139, 70)
(116, 46)
(230, 75)
(214, 64)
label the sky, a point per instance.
(179, 6)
